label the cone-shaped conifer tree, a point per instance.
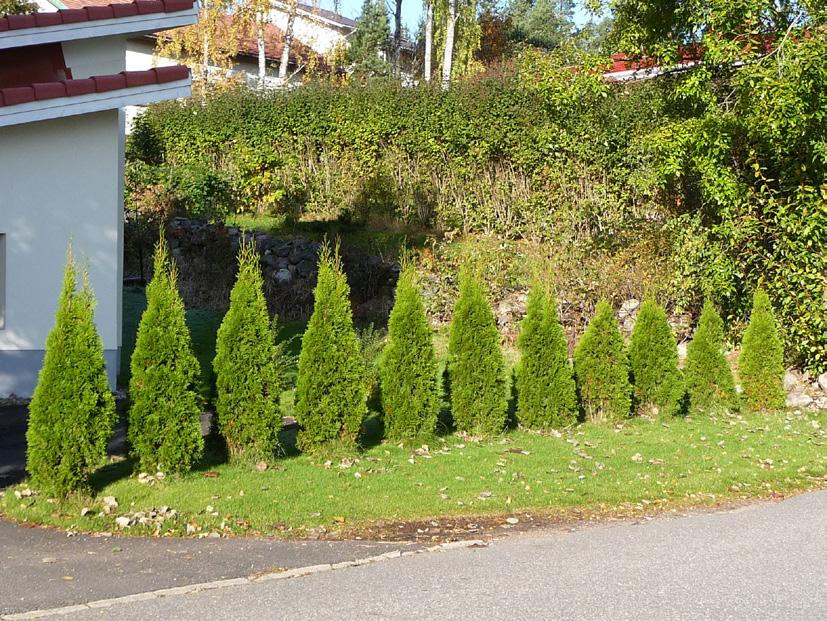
(761, 363)
(653, 358)
(601, 368)
(72, 411)
(410, 386)
(546, 394)
(330, 389)
(476, 368)
(247, 377)
(164, 418)
(709, 384)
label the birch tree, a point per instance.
(448, 51)
(292, 8)
(429, 38)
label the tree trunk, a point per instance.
(262, 53)
(292, 6)
(448, 56)
(205, 58)
(429, 40)
(397, 38)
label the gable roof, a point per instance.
(91, 10)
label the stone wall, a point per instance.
(205, 255)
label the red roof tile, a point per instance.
(96, 84)
(91, 10)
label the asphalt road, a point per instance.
(765, 561)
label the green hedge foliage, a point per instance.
(165, 413)
(761, 363)
(330, 388)
(408, 369)
(72, 411)
(601, 368)
(546, 393)
(653, 359)
(476, 368)
(247, 374)
(710, 386)
(542, 153)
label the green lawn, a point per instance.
(678, 462)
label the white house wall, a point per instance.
(101, 56)
(319, 37)
(59, 184)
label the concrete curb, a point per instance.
(297, 572)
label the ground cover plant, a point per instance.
(72, 412)
(330, 388)
(637, 464)
(411, 392)
(653, 360)
(165, 410)
(476, 368)
(710, 386)
(248, 378)
(601, 368)
(761, 363)
(546, 393)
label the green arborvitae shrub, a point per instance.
(248, 382)
(330, 388)
(476, 368)
(653, 359)
(72, 411)
(164, 418)
(710, 387)
(410, 385)
(601, 368)
(761, 363)
(546, 393)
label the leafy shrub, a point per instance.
(476, 368)
(164, 417)
(709, 383)
(546, 393)
(330, 388)
(410, 386)
(653, 358)
(248, 383)
(761, 363)
(601, 368)
(72, 411)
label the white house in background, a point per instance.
(319, 29)
(63, 86)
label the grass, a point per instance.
(661, 463)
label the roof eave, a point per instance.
(127, 26)
(59, 107)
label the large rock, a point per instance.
(822, 381)
(798, 400)
(790, 380)
(283, 276)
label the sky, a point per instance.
(412, 11)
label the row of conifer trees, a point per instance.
(72, 412)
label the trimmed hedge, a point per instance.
(476, 368)
(601, 368)
(546, 392)
(72, 411)
(248, 383)
(653, 359)
(408, 370)
(710, 386)
(165, 416)
(761, 363)
(330, 390)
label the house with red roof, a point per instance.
(63, 88)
